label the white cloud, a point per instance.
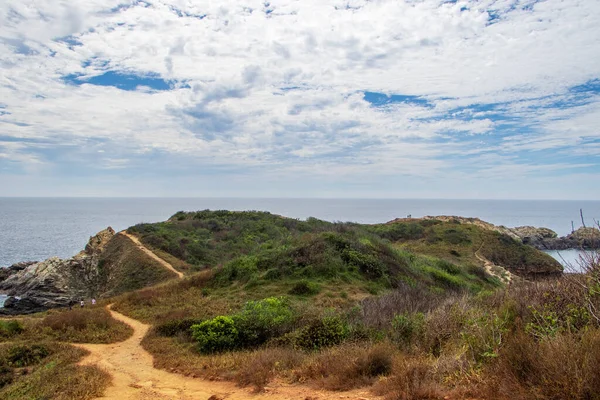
(280, 86)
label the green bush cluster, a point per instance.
(215, 335)
(10, 328)
(256, 323)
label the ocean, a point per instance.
(33, 229)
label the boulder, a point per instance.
(15, 306)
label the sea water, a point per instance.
(34, 229)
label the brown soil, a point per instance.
(134, 376)
(495, 270)
(151, 254)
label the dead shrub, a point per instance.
(263, 365)
(412, 378)
(347, 366)
(444, 324)
(377, 312)
(562, 367)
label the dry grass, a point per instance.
(57, 377)
(413, 378)
(347, 366)
(563, 367)
(88, 325)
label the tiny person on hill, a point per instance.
(82, 303)
(93, 301)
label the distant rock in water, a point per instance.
(54, 282)
(540, 238)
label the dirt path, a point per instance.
(495, 270)
(151, 254)
(134, 376)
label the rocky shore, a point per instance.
(37, 286)
(546, 239)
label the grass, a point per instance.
(54, 376)
(87, 325)
(416, 313)
(124, 267)
(412, 344)
(404, 308)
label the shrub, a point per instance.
(325, 332)
(242, 268)
(173, 328)
(10, 328)
(260, 320)
(406, 327)
(304, 288)
(91, 325)
(215, 335)
(6, 374)
(378, 362)
(26, 355)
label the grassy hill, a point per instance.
(405, 309)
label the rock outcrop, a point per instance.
(533, 236)
(55, 282)
(540, 238)
(13, 269)
(582, 238)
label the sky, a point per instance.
(483, 99)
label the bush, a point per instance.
(325, 332)
(242, 269)
(6, 374)
(173, 328)
(406, 327)
(304, 288)
(378, 362)
(26, 355)
(10, 328)
(215, 335)
(260, 320)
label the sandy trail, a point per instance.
(151, 254)
(134, 376)
(504, 275)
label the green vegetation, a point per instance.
(405, 308)
(343, 304)
(124, 267)
(47, 370)
(35, 364)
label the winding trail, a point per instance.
(151, 254)
(134, 376)
(504, 275)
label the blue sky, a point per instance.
(352, 98)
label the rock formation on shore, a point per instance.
(582, 238)
(54, 282)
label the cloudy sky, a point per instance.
(300, 98)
